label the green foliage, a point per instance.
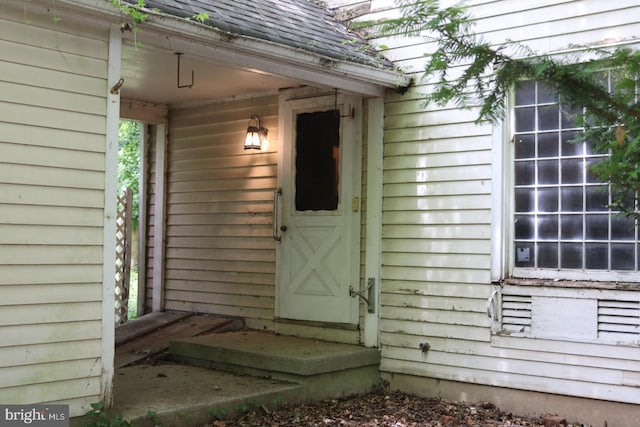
(133, 10)
(52, 10)
(474, 73)
(129, 164)
(248, 406)
(218, 413)
(153, 417)
(99, 418)
(201, 17)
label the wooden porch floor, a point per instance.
(148, 337)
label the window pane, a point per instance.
(525, 199)
(591, 178)
(548, 199)
(548, 144)
(597, 198)
(597, 227)
(627, 198)
(525, 173)
(546, 94)
(525, 146)
(590, 149)
(525, 119)
(572, 171)
(569, 117)
(569, 148)
(525, 94)
(548, 172)
(524, 227)
(622, 257)
(548, 117)
(548, 255)
(317, 161)
(597, 256)
(622, 228)
(524, 254)
(548, 227)
(571, 255)
(571, 227)
(571, 199)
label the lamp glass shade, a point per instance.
(253, 141)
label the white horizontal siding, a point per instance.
(572, 366)
(32, 136)
(52, 144)
(437, 219)
(27, 335)
(220, 253)
(79, 390)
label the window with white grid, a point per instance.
(561, 219)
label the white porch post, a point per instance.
(158, 227)
(142, 220)
(375, 131)
(110, 214)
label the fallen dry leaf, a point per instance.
(384, 409)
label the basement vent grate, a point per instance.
(619, 319)
(516, 314)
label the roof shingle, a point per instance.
(301, 24)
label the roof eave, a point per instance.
(263, 55)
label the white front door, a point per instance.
(319, 218)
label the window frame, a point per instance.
(502, 227)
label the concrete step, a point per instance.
(178, 395)
(326, 370)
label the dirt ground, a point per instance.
(389, 409)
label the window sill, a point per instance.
(581, 284)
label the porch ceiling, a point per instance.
(151, 75)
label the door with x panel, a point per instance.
(319, 210)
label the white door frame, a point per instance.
(373, 233)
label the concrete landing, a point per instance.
(326, 370)
(189, 396)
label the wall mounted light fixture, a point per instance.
(256, 135)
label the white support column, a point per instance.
(375, 133)
(110, 214)
(159, 212)
(142, 219)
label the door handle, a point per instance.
(276, 201)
